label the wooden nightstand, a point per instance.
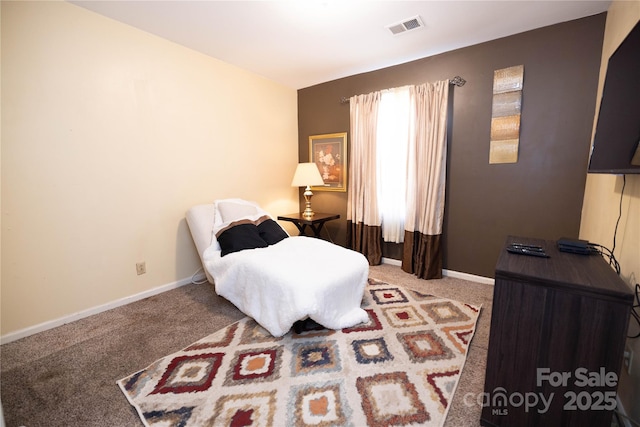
(316, 222)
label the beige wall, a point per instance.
(109, 135)
(602, 203)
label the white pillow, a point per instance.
(227, 211)
(233, 211)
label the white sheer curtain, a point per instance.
(391, 146)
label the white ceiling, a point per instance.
(300, 43)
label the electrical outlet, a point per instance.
(628, 358)
(141, 268)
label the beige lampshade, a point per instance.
(307, 174)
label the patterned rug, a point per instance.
(400, 368)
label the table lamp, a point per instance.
(307, 174)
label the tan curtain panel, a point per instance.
(426, 173)
(363, 218)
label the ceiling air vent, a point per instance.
(406, 25)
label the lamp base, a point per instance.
(308, 212)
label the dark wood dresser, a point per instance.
(556, 342)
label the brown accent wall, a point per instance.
(541, 195)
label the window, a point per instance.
(391, 153)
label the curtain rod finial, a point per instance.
(458, 81)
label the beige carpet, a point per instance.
(66, 376)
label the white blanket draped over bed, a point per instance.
(295, 278)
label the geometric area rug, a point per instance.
(400, 368)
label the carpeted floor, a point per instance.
(67, 376)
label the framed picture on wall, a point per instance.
(329, 153)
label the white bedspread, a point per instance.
(295, 278)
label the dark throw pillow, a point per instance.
(271, 232)
(240, 237)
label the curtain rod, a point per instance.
(457, 81)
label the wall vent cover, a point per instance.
(406, 25)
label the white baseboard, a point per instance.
(449, 273)
(469, 277)
(22, 333)
(392, 261)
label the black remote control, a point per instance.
(527, 251)
(522, 245)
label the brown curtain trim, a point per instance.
(366, 239)
(422, 255)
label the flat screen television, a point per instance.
(616, 144)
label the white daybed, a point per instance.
(285, 280)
